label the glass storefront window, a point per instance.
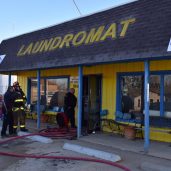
(131, 90)
(56, 90)
(155, 95)
(52, 94)
(167, 95)
(34, 89)
(132, 94)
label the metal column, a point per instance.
(9, 79)
(162, 109)
(38, 99)
(80, 96)
(45, 86)
(146, 104)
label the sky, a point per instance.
(22, 16)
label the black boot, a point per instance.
(4, 135)
(15, 131)
(24, 129)
(11, 132)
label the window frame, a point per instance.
(45, 88)
(161, 74)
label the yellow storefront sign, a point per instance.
(81, 38)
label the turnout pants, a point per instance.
(19, 117)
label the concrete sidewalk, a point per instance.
(157, 149)
(131, 151)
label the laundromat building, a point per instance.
(126, 49)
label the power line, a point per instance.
(77, 7)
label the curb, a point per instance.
(38, 138)
(92, 152)
(148, 166)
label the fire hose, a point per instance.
(57, 133)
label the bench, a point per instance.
(112, 125)
(155, 122)
(134, 119)
(121, 123)
(119, 127)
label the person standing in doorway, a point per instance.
(8, 118)
(19, 114)
(70, 102)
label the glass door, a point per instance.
(91, 101)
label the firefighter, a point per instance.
(19, 114)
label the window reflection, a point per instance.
(131, 89)
(52, 91)
(155, 94)
(167, 95)
(34, 89)
(56, 90)
(133, 86)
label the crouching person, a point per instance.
(62, 120)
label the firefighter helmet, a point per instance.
(15, 84)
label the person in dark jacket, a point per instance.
(1, 106)
(54, 100)
(8, 117)
(19, 114)
(127, 103)
(70, 102)
(3, 113)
